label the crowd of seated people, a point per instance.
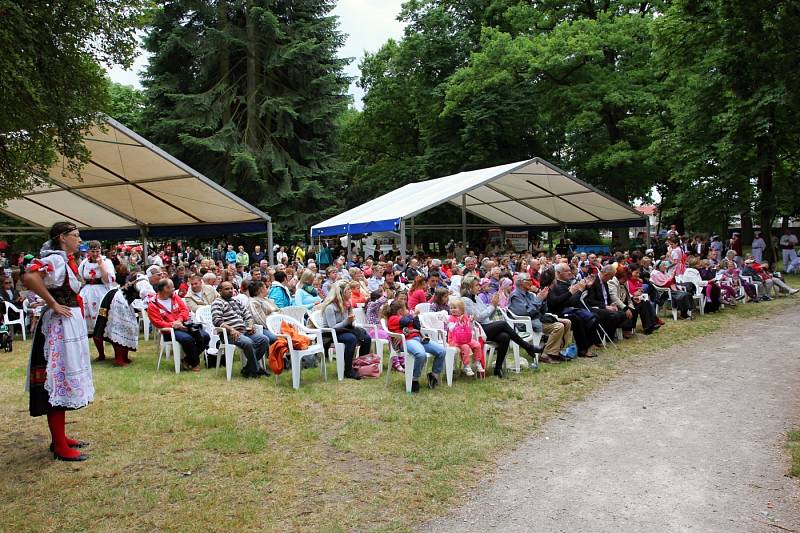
(575, 301)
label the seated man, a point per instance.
(199, 293)
(230, 314)
(523, 302)
(564, 299)
(167, 310)
(599, 301)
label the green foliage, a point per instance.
(248, 92)
(484, 83)
(733, 111)
(51, 85)
(126, 105)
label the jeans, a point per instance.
(190, 348)
(254, 346)
(419, 352)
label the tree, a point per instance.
(248, 92)
(126, 104)
(735, 109)
(51, 85)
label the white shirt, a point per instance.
(166, 303)
(787, 240)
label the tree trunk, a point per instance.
(747, 227)
(251, 127)
(766, 209)
(225, 73)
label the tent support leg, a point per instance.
(647, 237)
(270, 244)
(145, 244)
(464, 219)
(413, 237)
(402, 238)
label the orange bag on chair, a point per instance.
(279, 349)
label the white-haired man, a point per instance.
(524, 302)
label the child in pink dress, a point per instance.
(459, 334)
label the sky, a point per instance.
(367, 23)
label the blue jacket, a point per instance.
(280, 295)
(302, 297)
(230, 256)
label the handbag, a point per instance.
(367, 366)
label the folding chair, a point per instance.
(605, 337)
(19, 320)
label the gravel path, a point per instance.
(690, 441)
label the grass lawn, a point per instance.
(793, 445)
(194, 452)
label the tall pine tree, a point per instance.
(248, 92)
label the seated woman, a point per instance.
(710, 289)
(416, 294)
(306, 294)
(440, 300)
(645, 308)
(497, 331)
(337, 314)
(682, 301)
(261, 306)
(619, 296)
(402, 322)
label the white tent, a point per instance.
(532, 193)
(132, 186)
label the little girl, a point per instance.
(376, 309)
(439, 300)
(402, 322)
(459, 334)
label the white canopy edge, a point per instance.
(526, 193)
(130, 183)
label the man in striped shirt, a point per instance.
(230, 314)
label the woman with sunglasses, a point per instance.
(60, 370)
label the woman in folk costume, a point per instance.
(60, 370)
(98, 273)
(677, 257)
(117, 322)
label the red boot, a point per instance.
(120, 355)
(60, 446)
(101, 349)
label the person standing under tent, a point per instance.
(788, 242)
(98, 273)
(60, 370)
(759, 246)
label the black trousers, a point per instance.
(610, 320)
(352, 337)
(502, 333)
(647, 314)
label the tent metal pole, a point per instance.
(464, 219)
(347, 247)
(402, 238)
(647, 238)
(270, 244)
(413, 237)
(145, 245)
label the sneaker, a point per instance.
(479, 367)
(794, 291)
(468, 371)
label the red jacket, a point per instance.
(162, 318)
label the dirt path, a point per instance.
(685, 441)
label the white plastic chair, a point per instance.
(169, 348)
(336, 348)
(528, 333)
(361, 321)
(422, 308)
(298, 312)
(202, 316)
(20, 320)
(662, 290)
(699, 294)
(435, 326)
(274, 322)
(144, 320)
(409, 359)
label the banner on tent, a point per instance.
(518, 239)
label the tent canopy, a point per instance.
(532, 193)
(131, 184)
